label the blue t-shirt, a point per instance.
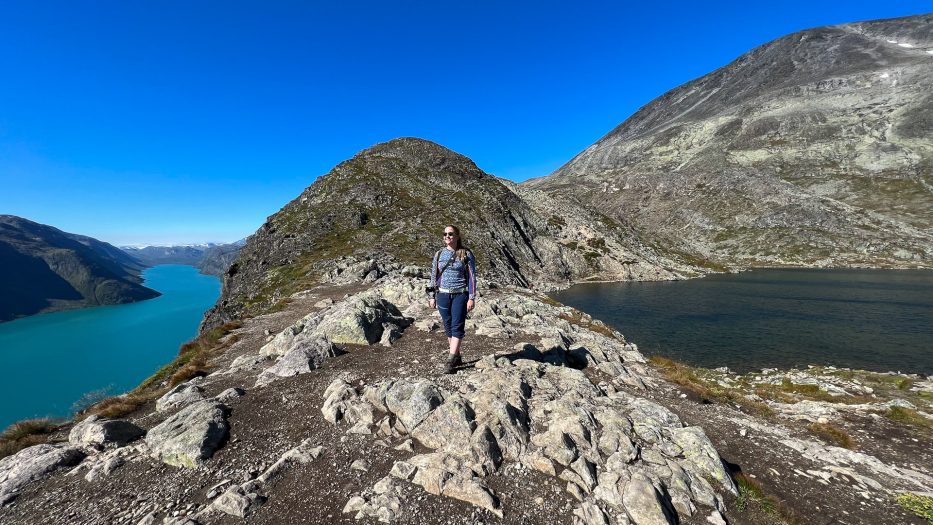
(457, 274)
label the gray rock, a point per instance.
(191, 436)
(104, 467)
(343, 403)
(390, 334)
(230, 394)
(412, 401)
(104, 433)
(589, 513)
(179, 396)
(33, 464)
(235, 502)
(450, 426)
(701, 456)
(304, 453)
(304, 356)
(643, 503)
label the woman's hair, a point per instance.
(460, 248)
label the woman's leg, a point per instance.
(457, 321)
(443, 307)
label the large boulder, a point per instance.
(191, 436)
(32, 464)
(359, 320)
(105, 433)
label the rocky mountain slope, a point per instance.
(46, 269)
(385, 209)
(812, 149)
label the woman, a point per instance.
(453, 275)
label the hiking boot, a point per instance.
(453, 362)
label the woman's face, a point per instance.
(450, 237)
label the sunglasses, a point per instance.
(450, 234)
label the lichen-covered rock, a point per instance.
(449, 426)
(702, 455)
(191, 436)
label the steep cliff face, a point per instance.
(46, 269)
(388, 206)
(812, 149)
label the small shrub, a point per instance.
(920, 505)
(750, 491)
(832, 434)
(905, 383)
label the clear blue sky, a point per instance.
(181, 121)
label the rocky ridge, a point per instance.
(383, 209)
(813, 149)
(340, 414)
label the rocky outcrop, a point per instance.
(812, 149)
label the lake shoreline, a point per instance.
(98, 349)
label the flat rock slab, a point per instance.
(191, 436)
(32, 464)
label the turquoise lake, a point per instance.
(51, 362)
(879, 320)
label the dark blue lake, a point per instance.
(878, 320)
(52, 361)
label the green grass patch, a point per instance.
(920, 505)
(751, 493)
(907, 416)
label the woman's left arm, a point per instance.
(471, 283)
